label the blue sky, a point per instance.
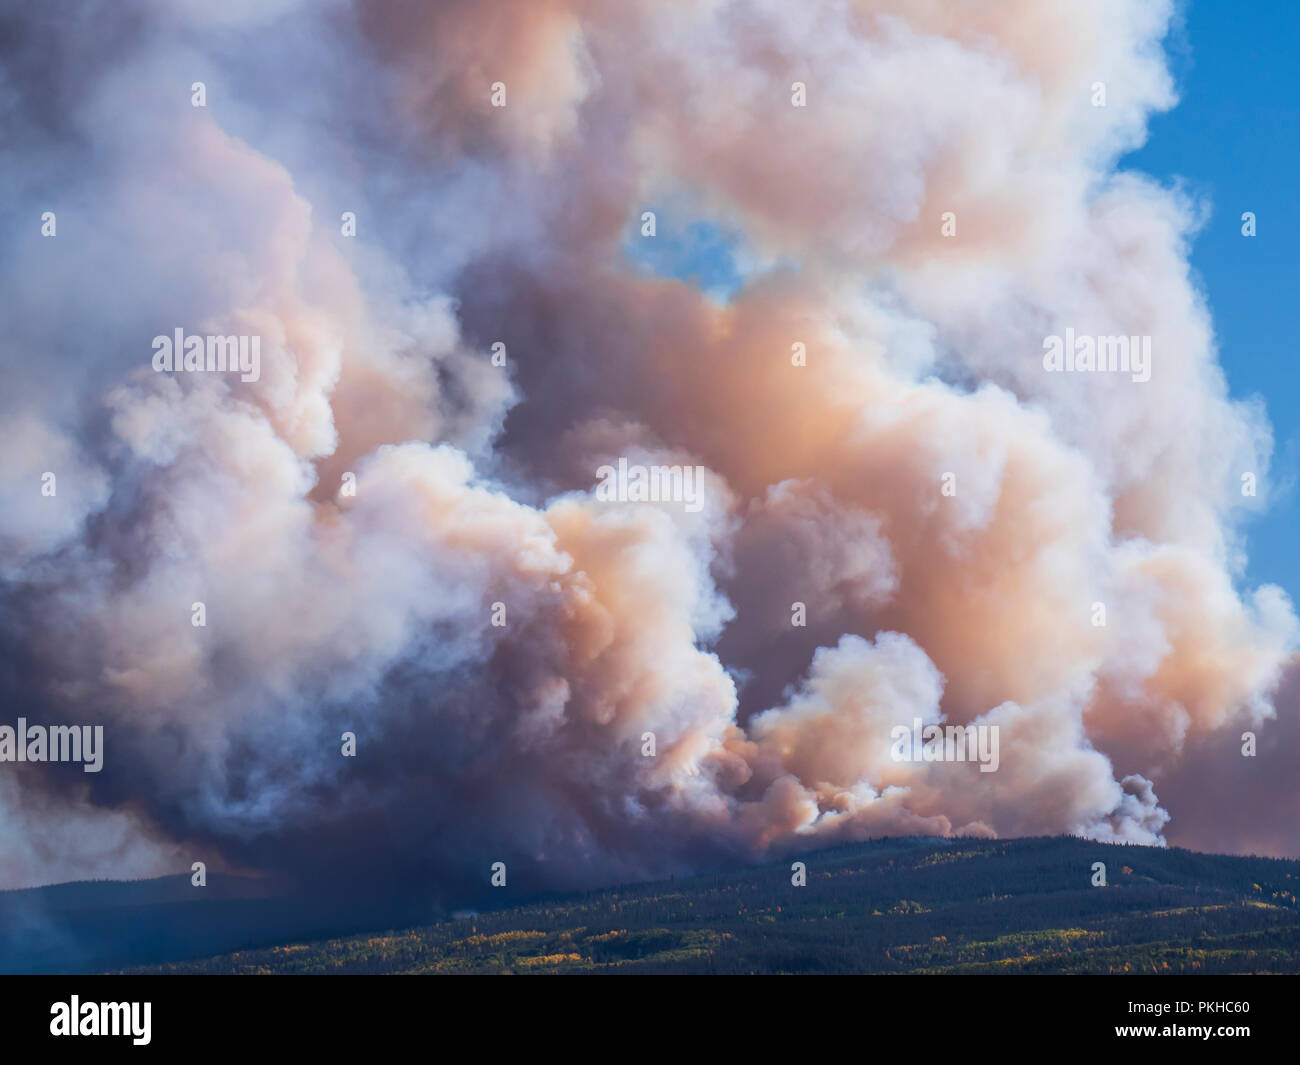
(1233, 140)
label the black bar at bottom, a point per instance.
(340, 1014)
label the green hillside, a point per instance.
(917, 905)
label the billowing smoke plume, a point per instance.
(969, 538)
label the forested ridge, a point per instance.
(888, 906)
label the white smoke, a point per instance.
(372, 613)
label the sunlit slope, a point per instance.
(889, 906)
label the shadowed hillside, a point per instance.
(911, 905)
(92, 925)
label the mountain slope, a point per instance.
(914, 905)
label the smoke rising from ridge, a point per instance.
(328, 612)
